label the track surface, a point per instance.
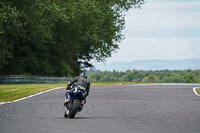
(109, 109)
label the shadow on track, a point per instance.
(92, 117)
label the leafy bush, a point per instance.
(162, 76)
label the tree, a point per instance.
(189, 78)
(53, 37)
(151, 78)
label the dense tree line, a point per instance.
(59, 37)
(162, 76)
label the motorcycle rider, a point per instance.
(81, 82)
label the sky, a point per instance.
(161, 29)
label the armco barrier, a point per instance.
(23, 79)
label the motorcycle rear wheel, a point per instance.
(74, 109)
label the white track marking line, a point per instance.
(31, 96)
(1, 103)
(195, 92)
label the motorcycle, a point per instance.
(74, 106)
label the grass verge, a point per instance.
(12, 92)
(198, 90)
(115, 82)
(16, 91)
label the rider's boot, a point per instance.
(67, 101)
(82, 104)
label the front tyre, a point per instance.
(66, 112)
(75, 108)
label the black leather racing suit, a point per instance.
(81, 81)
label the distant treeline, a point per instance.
(162, 76)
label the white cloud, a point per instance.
(157, 48)
(162, 29)
(164, 19)
(168, 6)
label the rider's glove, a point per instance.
(68, 86)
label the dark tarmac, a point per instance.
(109, 109)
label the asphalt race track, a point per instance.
(109, 109)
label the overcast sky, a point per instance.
(162, 29)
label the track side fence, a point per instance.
(24, 79)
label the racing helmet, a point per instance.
(83, 74)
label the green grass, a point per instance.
(16, 91)
(107, 82)
(114, 82)
(198, 90)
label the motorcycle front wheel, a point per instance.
(66, 112)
